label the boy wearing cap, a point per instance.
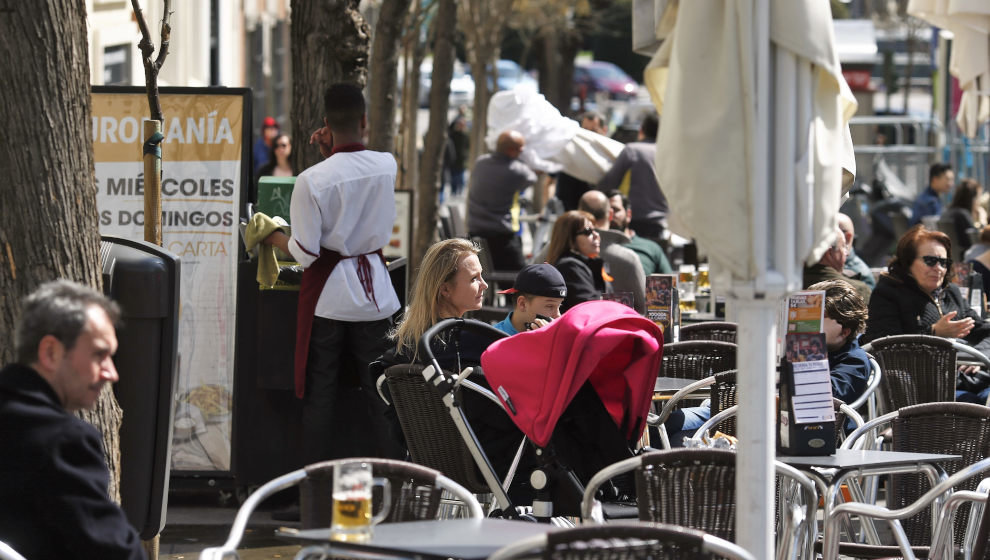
(539, 290)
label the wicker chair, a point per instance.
(624, 542)
(696, 488)
(722, 331)
(432, 438)
(697, 359)
(416, 493)
(905, 548)
(948, 428)
(917, 369)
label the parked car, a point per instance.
(596, 76)
(461, 85)
(512, 76)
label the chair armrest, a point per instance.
(590, 507)
(670, 405)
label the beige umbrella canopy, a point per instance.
(969, 22)
(753, 152)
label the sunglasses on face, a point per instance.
(931, 261)
(586, 231)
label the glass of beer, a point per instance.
(704, 284)
(352, 506)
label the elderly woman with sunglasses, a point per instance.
(573, 250)
(916, 296)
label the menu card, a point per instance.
(625, 298)
(661, 301)
(812, 389)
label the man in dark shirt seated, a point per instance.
(53, 475)
(845, 319)
(929, 201)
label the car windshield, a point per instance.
(606, 72)
(508, 70)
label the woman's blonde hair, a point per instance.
(439, 266)
(564, 231)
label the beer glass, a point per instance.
(704, 284)
(352, 516)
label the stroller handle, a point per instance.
(445, 325)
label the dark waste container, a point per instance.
(144, 280)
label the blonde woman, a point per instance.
(448, 286)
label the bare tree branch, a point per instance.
(151, 66)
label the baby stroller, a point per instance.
(578, 389)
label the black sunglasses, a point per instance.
(931, 261)
(585, 231)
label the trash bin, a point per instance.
(144, 280)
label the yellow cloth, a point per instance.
(260, 227)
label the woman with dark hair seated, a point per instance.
(573, 250)
(916, 296)
(963, 212)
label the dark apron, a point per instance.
(314, 278)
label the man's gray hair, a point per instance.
(59, 309)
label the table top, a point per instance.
(852, 459)
(672, 384)
(467, 539)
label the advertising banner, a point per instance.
(204, 159)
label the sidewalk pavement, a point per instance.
(194, 522)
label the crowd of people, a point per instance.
(608, 239)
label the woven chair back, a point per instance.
(697, 359)
(431, 436)
(722, 331)
(626, 542)
(413, 491)
(691, 487)
(948, 428)
(916, 369)
(723, 395)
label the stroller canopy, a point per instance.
(537, 373)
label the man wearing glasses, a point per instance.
(831, 265)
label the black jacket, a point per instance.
(899, 306)
(583, 276)
(53, 478)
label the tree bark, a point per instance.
(436, 135)
(330, 43)
(414, 52)
(384, 79)
(49, 226)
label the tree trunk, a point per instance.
(556, 65)
(384, 74)
(330, 42)
(49, 227)
(436, 136)
(415, 51)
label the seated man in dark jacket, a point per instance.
(53, 475)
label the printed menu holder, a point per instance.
(625, 298)
(662, 304)
(807, 417)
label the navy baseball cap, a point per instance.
(539, 280)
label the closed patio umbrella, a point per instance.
(753, 153)
(969, 22)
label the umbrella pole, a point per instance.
(755, 453)
(757, 310)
